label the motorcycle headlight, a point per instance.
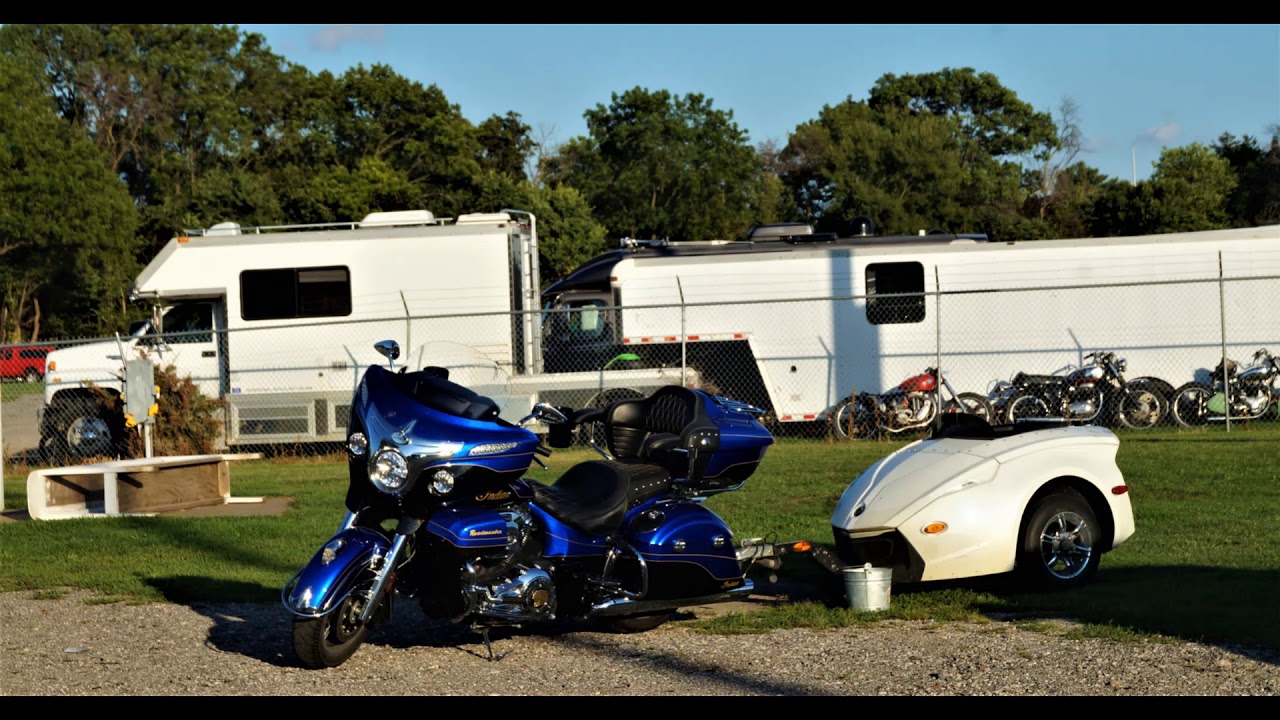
(357, 444)
(442, 482)
(389, 471)
(1121, 364)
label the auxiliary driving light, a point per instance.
(442, 482)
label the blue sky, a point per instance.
(1138, 88)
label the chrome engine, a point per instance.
(907, 409)
(508, 586)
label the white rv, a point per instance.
(758, 321)
(281, 322)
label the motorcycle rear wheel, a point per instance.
(1024, 407)
(1142, 407)
(637, 623)
(329, 640)
(854, 420)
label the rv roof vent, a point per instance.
(224, 228)
(630, 242)
(483, 218)
(778, 231)
(398, 217)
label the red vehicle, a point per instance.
(23, 363)
(910, 406)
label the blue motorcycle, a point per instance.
(439, 510)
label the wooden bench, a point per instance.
(133, 487)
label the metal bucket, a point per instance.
(867, 588)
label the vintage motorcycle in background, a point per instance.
(439, 510)
(1095, 393)
(1253, 392)
(911, 405)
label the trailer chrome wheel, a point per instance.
(1058, 549)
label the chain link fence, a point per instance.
(839, 368)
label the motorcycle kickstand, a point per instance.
(484, 633)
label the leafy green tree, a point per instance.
(991, 116)
(506, 143)
(657, 165)
(66, 226)
(415, 130)
(1191, 185)
(568, 234)
(1256, 197)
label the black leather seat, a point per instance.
(644, 437)
(594, 496)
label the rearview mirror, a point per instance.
(389, 349)
(548, 413)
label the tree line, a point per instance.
(114, 138)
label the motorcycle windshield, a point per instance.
(441, 410)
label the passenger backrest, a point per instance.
(628, 423)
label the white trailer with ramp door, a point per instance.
(796, 321)
(281, 321)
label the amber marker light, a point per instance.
(802, 546)
(934, 528)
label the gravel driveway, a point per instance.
(66, 646)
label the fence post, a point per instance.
(684, 336)
(1222, 324)
(1, 454)
(408, 328)
(937, 339)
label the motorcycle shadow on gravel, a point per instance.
(262, 630)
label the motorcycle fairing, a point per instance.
(321, 586)
(469, 527)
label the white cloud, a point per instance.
(1161, 134)
(333, 37)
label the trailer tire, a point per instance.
(85, 429)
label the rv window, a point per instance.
(893, 279)
(287, 293)
(196, 318)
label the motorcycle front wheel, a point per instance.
(329, 640)
(974, 404)
(1188, 406)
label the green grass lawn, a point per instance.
(10, 390)
(1204, 563)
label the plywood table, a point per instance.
(132, 487)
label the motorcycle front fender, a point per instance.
(346, 560)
